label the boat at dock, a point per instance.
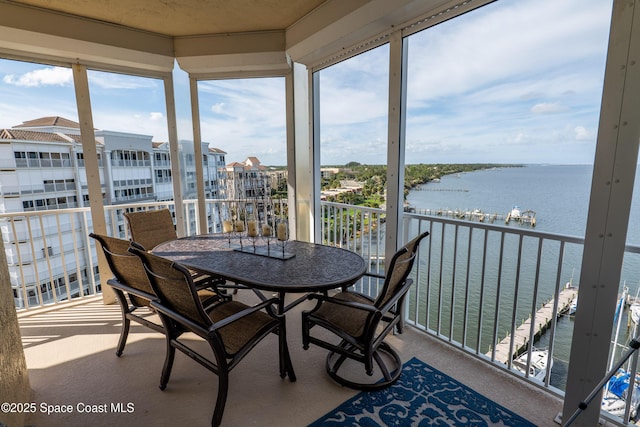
(634, 309)
(517, 215)
(540, 365)
(514, 214)
(616, 392)
(573, 307)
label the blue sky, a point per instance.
(517, 81)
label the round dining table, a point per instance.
(304, 267)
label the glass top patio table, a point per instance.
(312, 268)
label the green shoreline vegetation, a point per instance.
(374, 177)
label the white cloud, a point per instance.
(135, 123)
(52, 76)
(513, 81)
(104, 80)
(246, 117)
(582, 134)
(506, 40)
(548, 108)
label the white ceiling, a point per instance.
(186, 17)
(205, 36)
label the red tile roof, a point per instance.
(50, 121)
(30, 135)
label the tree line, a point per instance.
(374, 179)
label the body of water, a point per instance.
(559, 194)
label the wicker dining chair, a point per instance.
(132, 288)
(231, 328)
(361, 323)
(149, 228)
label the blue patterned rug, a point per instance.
(422, 397)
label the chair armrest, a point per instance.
(128, 289)
(377, 276)
(239, 315)
(353, 304)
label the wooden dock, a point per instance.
(543, 317)
(475, 215)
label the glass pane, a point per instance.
(38, 121)
(353, 109)
(244, 122)
(353, 127)
(130, 119)
(514, 83)
(31, 91)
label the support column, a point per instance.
(89, 149)
(303, 158)
(395, 145)
(203, 226)
(14, 387)
(174, 152)
(611, 193)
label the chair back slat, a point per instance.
(150, 228)
(174, 287)
(125, 266)
(399, 269)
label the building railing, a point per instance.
(480, 287)
(51, 258)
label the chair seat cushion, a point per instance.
(341, 317)
(237, 334)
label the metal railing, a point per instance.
(480, 287)
(52, 259)
(492, 290)
(49, 257)
(498, 292)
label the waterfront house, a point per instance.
(294, 39)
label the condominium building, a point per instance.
(42, 168)
(247, 180)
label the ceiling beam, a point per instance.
(238, 52)
(39, 33)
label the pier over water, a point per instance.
(475, 215)
(543, 319)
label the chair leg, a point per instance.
(223, 383)
(381, 365)
(168, 364)
(221, 401)
(305, 331)
(333, 367)
(124, 332)
(335, 362)
(170, 335)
